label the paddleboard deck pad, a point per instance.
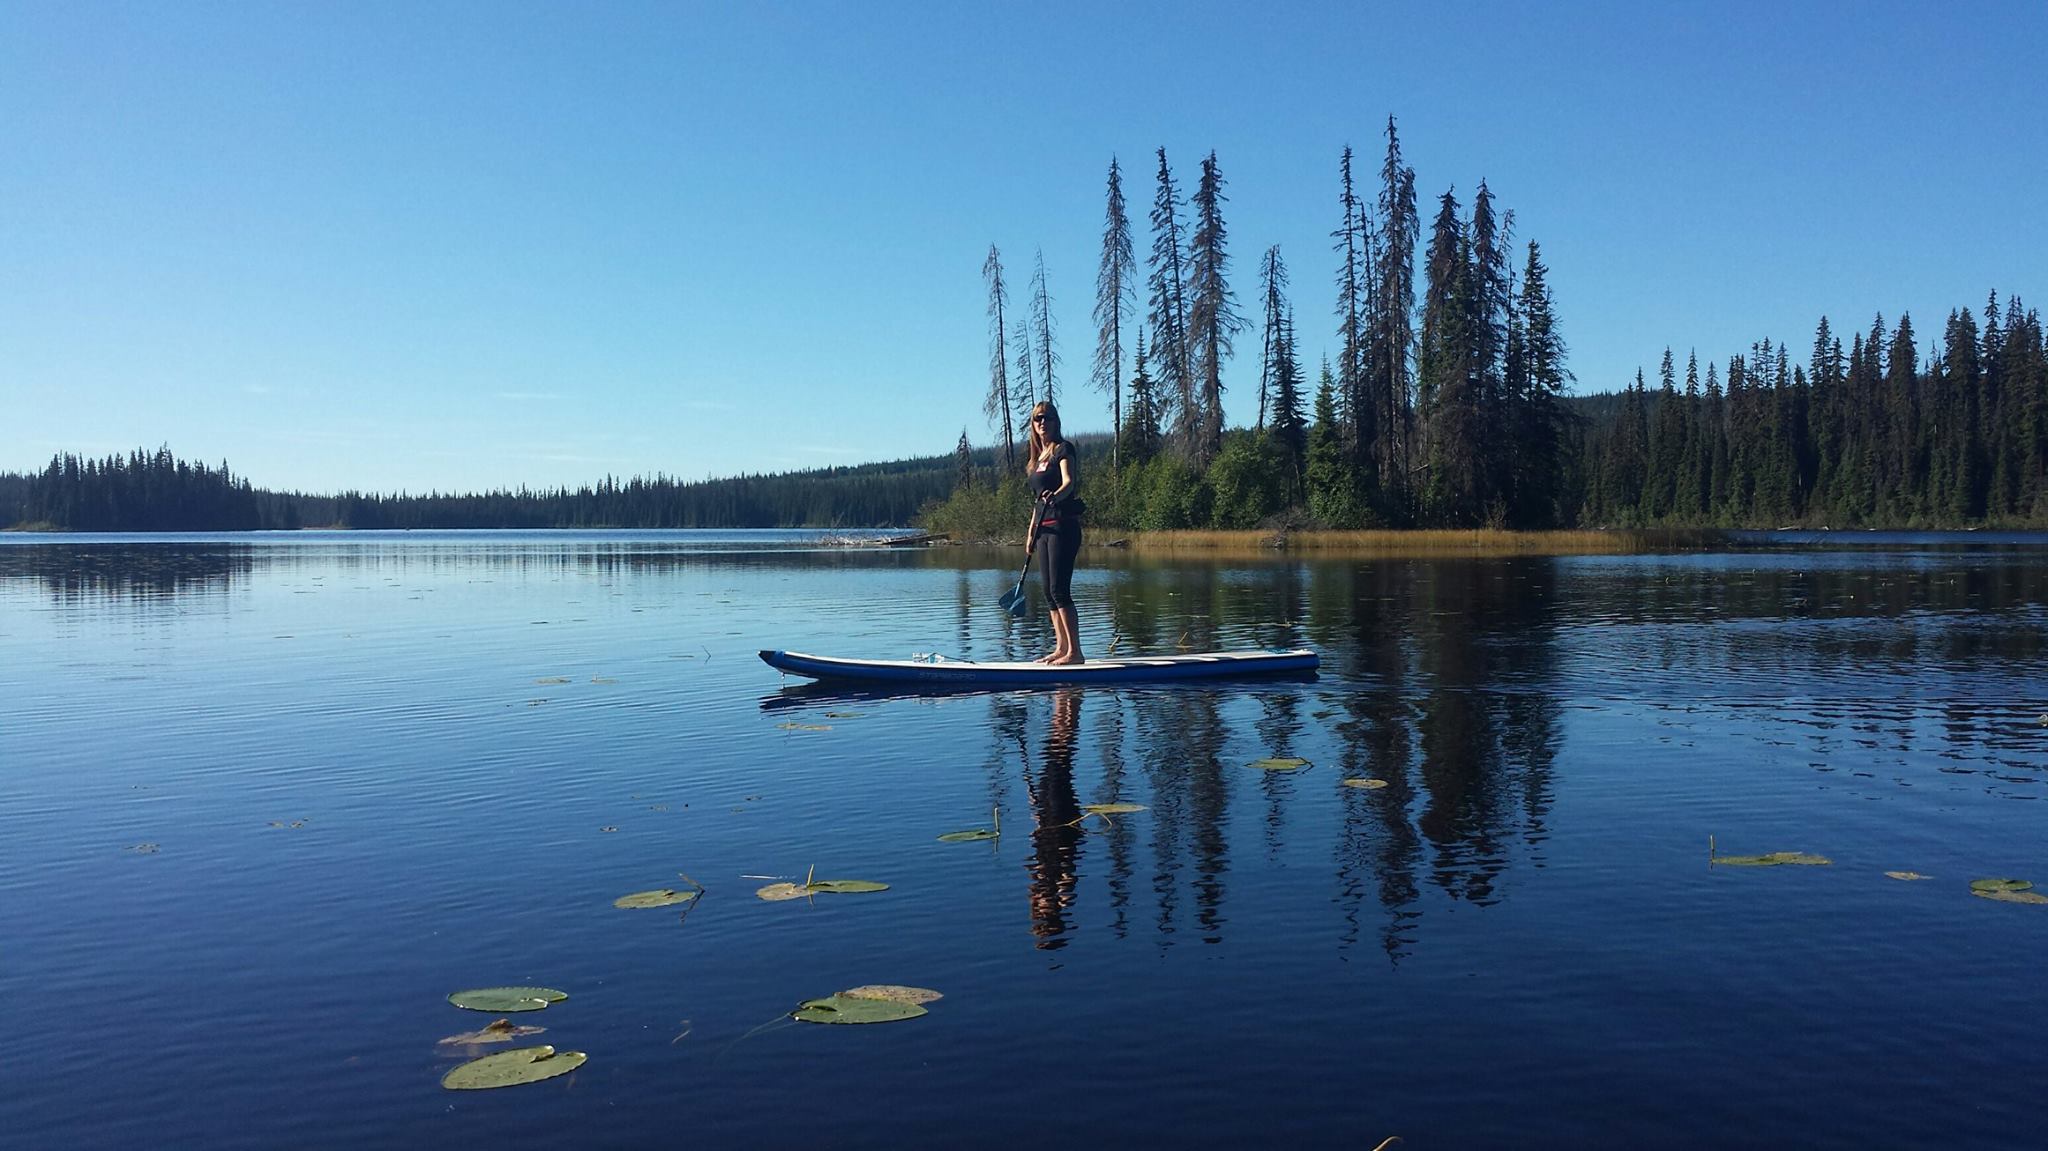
(1119, 669)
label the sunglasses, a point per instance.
(1038, 419)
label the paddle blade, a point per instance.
(1013, 600)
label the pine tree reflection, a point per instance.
(1379, 850)
(138, 572)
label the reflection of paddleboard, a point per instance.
(1121, 669)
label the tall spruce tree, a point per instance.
(1328, 480)
(998, 404)
(1391, 313)
(1272, 289)
(1114, 296)
(1041, 322)
(1541, 424)
(1290, 429)
(1167, 312)
(1138, 438)
(1447, 405)
(1213, 318)
(1355, 406)
(1486, 327)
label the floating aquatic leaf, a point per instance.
(142, 848)
(777, 892)
(892, 992)
(805, 726)
(1985, 886)
(512, 1068)
(1774, 859)
(1907, 875)
(2012, 896)
(552, 680)
(2006, 891)
(1278, 764)
(1112, 808)
(498, 1000)
(842, 715)
(1365, 784)
(664, 897)
(847, 886)
(851, 1009)
(502, 1031)
(602, 679)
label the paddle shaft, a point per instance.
(1030, 541)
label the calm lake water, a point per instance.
(266, 800)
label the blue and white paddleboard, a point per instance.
(1119, 669)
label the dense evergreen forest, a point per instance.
(1874, 436)
(1451, 412)
(147, 491)
(1447, 411)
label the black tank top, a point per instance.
(1045, 477)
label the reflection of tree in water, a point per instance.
(1109, 737)
(1473, 749)
(1488, 733)
(1453, 663)
(1379, 850)
(142, 572)
(1181, 736)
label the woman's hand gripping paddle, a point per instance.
(1013, 600)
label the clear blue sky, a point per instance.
(438, 245)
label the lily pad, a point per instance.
(1907, 875)
(552, 680)
(843, 715)
(847, 886)
(2006, 891)
(512, 1068)
(499, 1000)
(665, 897)
(1774, 859)
(501, 1031)
(778, 892)
(804, 726)
(1278, 764)
(1113, 808)
(854, 1009)
(892, 992)
(970, 836)
(1986, 886)
(1364, 784)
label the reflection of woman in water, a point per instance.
(1055, 844)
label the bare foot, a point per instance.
(1048, 657)
(1070, 657)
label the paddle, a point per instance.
(1013, 600)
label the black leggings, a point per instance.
(1057, 547)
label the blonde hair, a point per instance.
(1050, 434)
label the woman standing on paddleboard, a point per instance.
(1055, 477)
